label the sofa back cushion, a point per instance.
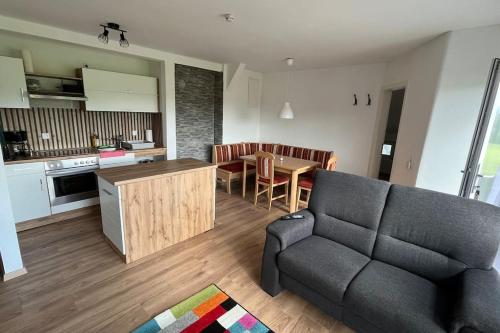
(348, 208)
(436, 235)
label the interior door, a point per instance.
(481, 179)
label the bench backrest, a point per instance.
(316, 155)
(231, 152)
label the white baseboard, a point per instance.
(14, 274)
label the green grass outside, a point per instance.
(491, 161)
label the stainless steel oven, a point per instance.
(72, 183)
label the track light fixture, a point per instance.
(123, 40)
(104, 36)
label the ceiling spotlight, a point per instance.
(123, 40)
(229, 17)
(103, 37)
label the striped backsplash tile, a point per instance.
(71, 128)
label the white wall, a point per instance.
(324, 115)
(419, 70)
(458, 101)
(9, 245)
(241, 118)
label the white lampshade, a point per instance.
(286, 112)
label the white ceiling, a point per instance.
(318, 33)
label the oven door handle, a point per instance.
(73, 171)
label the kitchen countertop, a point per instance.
(140, 172)
(79, 152)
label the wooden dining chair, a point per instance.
(266, 177)
(306, 183)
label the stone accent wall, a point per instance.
(198, 98)
(218, 92)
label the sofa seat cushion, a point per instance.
(235, 167)
(278, 179)
(323, 265)
(395, 300)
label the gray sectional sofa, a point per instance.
(389, 258)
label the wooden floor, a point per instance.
(76, 283)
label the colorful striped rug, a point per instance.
(211, 310)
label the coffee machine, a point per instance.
(16, 145)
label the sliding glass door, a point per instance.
(481, 179)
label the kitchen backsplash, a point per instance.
(71, 128)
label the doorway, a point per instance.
(391, 134)
(481, 180)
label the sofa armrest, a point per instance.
(280, 235)
(477, 306)
(289, 232)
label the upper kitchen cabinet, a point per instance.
(13, 92)
(111, 91)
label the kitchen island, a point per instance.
(148, 207)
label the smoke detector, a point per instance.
(229, 17)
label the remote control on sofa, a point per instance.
(292, 217)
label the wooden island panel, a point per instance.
(162, 211)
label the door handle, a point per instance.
(42, 188)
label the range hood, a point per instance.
(56, 95)
(62, 92)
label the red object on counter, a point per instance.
(116, 153)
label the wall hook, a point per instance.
(355, 100)
(369, 100)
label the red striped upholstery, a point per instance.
(285, 150)
(265, 167)
(303, 153)
(248, 148)
(267, 147)
(227, 153)
(322, 157)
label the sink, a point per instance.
(138, 144)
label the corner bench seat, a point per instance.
(227, 157)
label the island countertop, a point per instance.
(139, 172)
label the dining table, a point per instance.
(284, 164)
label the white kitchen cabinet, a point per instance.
(13, 92)
(111, 214)
(111, 91)
(28, 191)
